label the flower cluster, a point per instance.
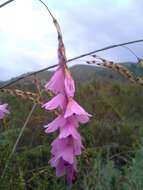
(68, 144)
(3, 110)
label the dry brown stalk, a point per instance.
(118, 67)
(23, 94)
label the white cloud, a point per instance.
(28, 39)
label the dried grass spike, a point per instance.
(23, 94)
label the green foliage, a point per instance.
(103, 176)
(112, 159)
(134, 173)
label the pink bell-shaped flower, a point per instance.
(56, 83)
(3, 110)
(73, 108)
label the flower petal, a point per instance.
(54, 125)
(69, 84)
(63, 148)
(74, 108)
(68, 130)
(3, 110)
(58, 101)
(56, 83)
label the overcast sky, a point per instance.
(28, 40)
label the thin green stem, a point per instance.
(18, 139)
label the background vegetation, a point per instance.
(113, 139)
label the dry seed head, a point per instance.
(23, 94)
